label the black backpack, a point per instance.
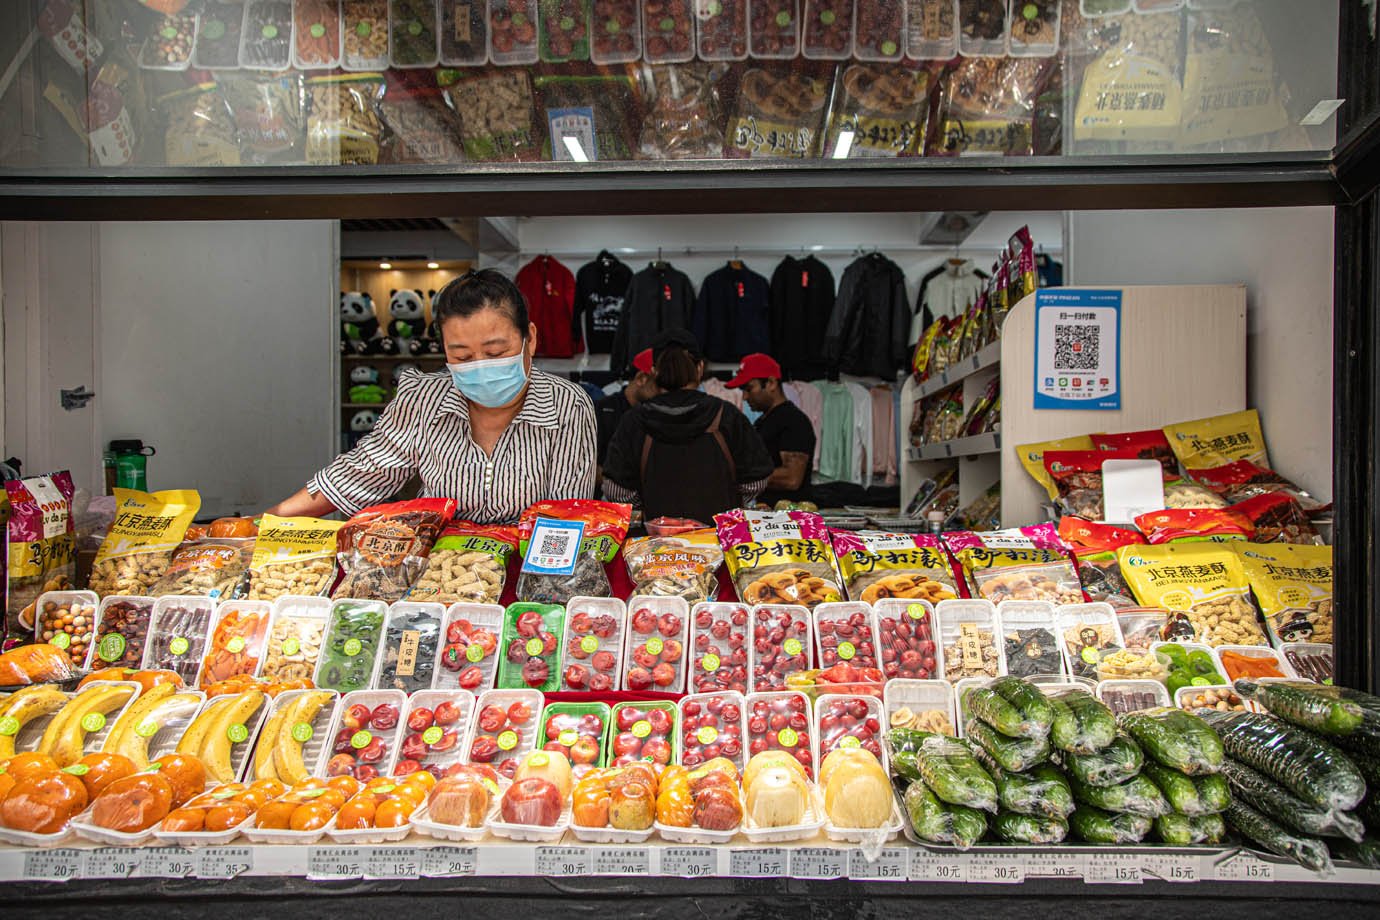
(696, 480)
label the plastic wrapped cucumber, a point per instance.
(952, 773)
(903, 765)
(899, 740)
(1116, 763)
(1041, 791)
(1094, 825)
(1366, 852)
(1136, 796)
(1312, 769)
(996, 711)
(1321, 709)
(1014, 827)
(935, 822)
(1190, 795)
(1265, 795)
(1175, 739)
(1082, 724)
(1026, 697)
(1014, 754)
(1366, 762)
(1308, 852)
(1181, 830)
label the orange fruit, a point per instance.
(6, 784)
(332, 797)
(355, 814)
(102, 770)
(254, 799)
(310, 817)
(272, 787)
(346, 784)
(186, 774)
(275, 815)
(310, 782)
(147, 680)
(414, 794)
(224, 817)
(393, 813)
(22, 767)
(422, 778)
(185, 820)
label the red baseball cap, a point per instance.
(643, 361)
(753, 367)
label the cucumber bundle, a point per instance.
(945, 765)
(1267, 796)
(1043, 791)
(938, 822)
(1308, 852)
(1116, 763)
(1014, 827)
(1190, 796)
(1312, 769)
(1082, 724)
(1335, 712)
(1014, 754)
(1094, 825)
(1175, 739)
(1182, 830)
(1136, 796)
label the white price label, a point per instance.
(819, 862)
(166, 862)
(890, 865)
(563, 861)
(392, 862)
(448, 862)
(57, 865)
(111, 862)
(622, 861)
(997, 868)
(1172, 867)
(937, 867)
(1244, 867)
(1054, 865)
(1112, 869)
(689, 862)
(225, 862)
(759, 862)
(335, 862)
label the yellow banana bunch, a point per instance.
(23, 707)
(288, 764)
(132, 734)
(65, 737)
(217, 729)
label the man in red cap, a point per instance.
(609, 411)
(787, 432)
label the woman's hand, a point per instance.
(302, 504)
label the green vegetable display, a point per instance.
(1325, 710)
(1308, 852)
(953, 774)
(1136, 796)
(1312, 769)
(1082, 724)
(1042, 791)
(935, 822)
(1097, 826)
(1265, 795)
(903, 764)
(1182, 830)
(1014, 754)
(1033, 705)
(1116, 763)
(1175, 739)
(1021, 828)
(351, 646)
(1189, 668)
(993, 709)
(905, 740)
(1192, 796)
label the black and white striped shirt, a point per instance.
(547, 452)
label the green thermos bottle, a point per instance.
(131, 464)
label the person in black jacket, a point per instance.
(684, 453)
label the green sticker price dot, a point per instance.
(916, 611)
(642, 728)
(589, 644)
(111, 647)
(846, 651)
(302, 732)
(235, 645)
(352, 647)
(793, 647)
(62, 640)
(9, 726)
(474, 654)
(710, 662)
(850, 742)
(507, 741)
(237, 733)
(568, 737)
(317, 30)
(432, 734)
(77, 769)
(92, 722)
(788, 737)
(707, 735)
(360, 739)
(178, 646)
(655, 645)
(291, 645)
(146, 729)
(535, 646)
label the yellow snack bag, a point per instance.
(1205, 581)
(292, 556)
(1293, 586)
(1218, 440)
(1033, 458)
(136, 550)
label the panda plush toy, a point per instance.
(361, 423)
(364, 385)
(408, 323)
(430, 342)
(359, 326)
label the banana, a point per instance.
(216, 747)
(194, 736)
(66, 744)
(287, 753)
(135, 744)
(25, 706)
(135, 715)
(268, 741)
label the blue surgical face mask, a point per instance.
(492, 382)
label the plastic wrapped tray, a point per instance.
(532, 833)
(1101, 619)
(1030, 640)
(810, 825)
(411, 647)
(349, 657)
(919, 696)
(718, 647)
(295, 637)
(952, 619)
(706, 732)
(365, 734)
(779, 735)
(654, 645)
(509, 747)
(1117, 694)
(179, 629)
(593, 644)
(780, 644)
(318, 745)
(845, 631)
(454, 663)
(433, 733)
(422, 824)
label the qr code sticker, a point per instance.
(1076, 347)
(554, 544)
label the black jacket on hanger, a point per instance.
(802, 297)
(730, 317)
(871, 320)
(659, 297)
(600, 287)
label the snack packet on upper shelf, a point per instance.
(1293, 586)
(884, 110)
(1143, 445)
(779, 115)
(496, 113)
(596, 112)
(210, 566)
(877, 565)
(384, 548)
(270, 116)
(1243, 479)
(343, 128)
(987, 106)
(423, 126)
(684, 118)
(779, 557)
(1186, 525)
(1032, 457)
(41, 548)
(1229, 55)
(1204, 581)
(1024, 564)
(199, 128)
(292, 556)
(685, 565)
(137, 548)
(1218, 440)
(1187, 495)
(1129, 91)
(468, 563)
(1094, 549)
(564, 546)
(1277, 518)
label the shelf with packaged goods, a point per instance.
(985, 357)
(989, 442)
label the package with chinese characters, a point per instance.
(468, 563)
(1094, 548)
(40, 548)
(383, 549)
(1204, 581)
(292, 556)
(1218, 440)
(878, 565)
(137, 548)
(1131, 89)
(779, 557)
(1032, 457)
(878, 111)
(1019, 564)
(682, 565)
(779, 115)
(565, 546)
(1293, 586)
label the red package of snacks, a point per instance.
(1278, 518)
(564, 546)
(779, 557)
(1192, 525)
(1144, 445)
(384, 548)
(1025, 564)
(1077, 476)
(1243, 479)
(1094, 550)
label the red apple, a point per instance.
(446, 713)
(420, 719)
(356, 717)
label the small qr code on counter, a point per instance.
(1076, 347)
(554, 544)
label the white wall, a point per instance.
(218, 346)
(1285, 258)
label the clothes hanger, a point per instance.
(736, 263)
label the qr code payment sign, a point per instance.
(1076, 346)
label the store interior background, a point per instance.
(217, 341)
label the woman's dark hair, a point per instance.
(485, 289)
(676, 368)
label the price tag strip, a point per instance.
(926, 866)
(819, 862)
(891, 865)
(997, 868)
(56, 865)
(757, 862)
(166, 862)
(1113, 869)
(111, 862)
(1172, 867)
(622, 861)
(689, 862)
(1243, 867)
(392, 862)
(563, 861)
(327, 862)
(449, 862)
(1054, 864)
(225, 862)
